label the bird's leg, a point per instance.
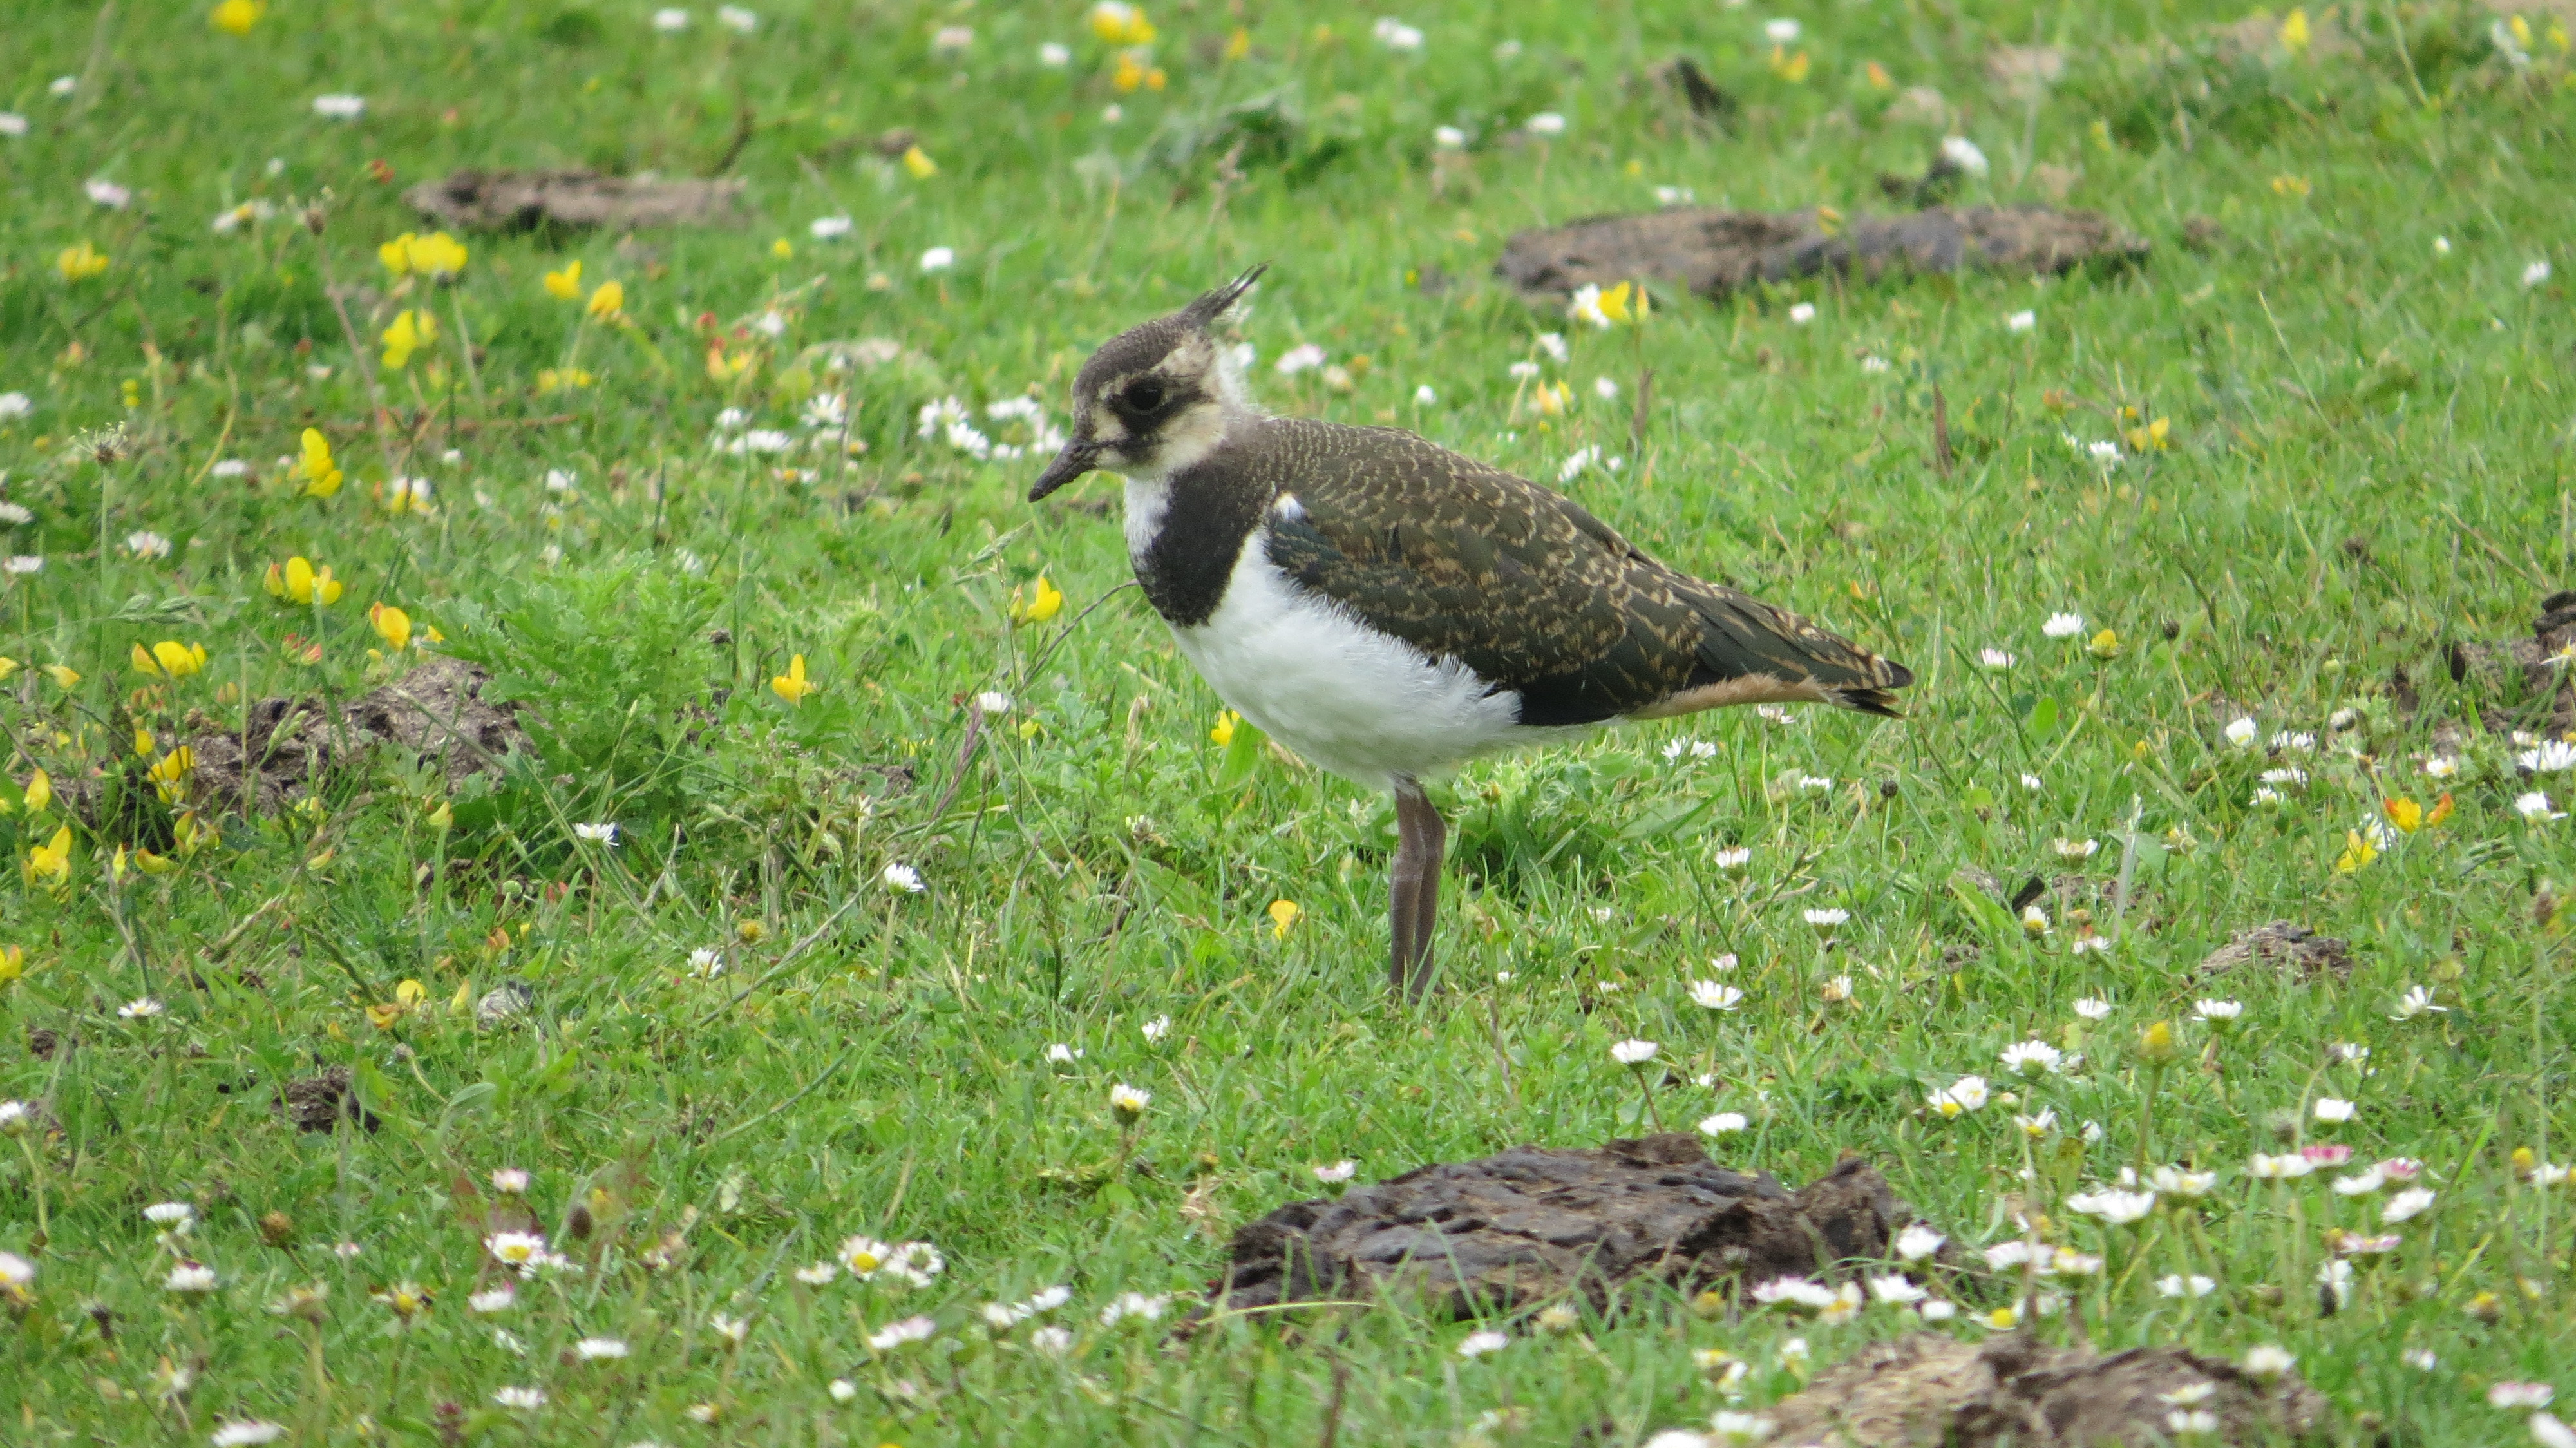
(1426, 900)
(1404, 881)
(1413, 892)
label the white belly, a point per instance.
(1362, 704)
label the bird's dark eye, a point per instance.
(1143, 396)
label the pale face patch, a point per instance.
(1195, 369)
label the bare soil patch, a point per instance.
(1529, 1225)
(2519, 674)
(1715, 252)
(1926, 1388)
(2283, 949)
(436, 712)
(477, 200)
(318, 1102)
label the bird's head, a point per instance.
(1154, 397)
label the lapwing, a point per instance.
(1389, 609)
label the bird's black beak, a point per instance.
(1069, 464)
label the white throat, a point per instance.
(1148, 499)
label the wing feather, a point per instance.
(1530, 590)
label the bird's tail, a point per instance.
(1745, 639)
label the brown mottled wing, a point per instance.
(1527, 588)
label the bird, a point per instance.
(1389, 610)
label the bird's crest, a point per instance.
(1212, 305)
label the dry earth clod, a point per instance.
(1529, 1225)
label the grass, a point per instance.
(2368, 460)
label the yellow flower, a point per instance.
(1626, 303)
(236, 17)
(1283, 913)
(63, 675)
(2441, 810)
(1239, 44)
(552, 379)
(722, 368)
(782, 248)
(1043, 602)
(2105, 645)
(1791, 68)
(1129, 75)
(8, 666)
(320, 474)
(410, 332)
(40, 791)
(1121, 24)
(2294, 33)
(2156, 1044)
(170, 776)
(2521, 31)
(391, 624)
(51, 861)
(300, 583)
(1553, 398)
(1879, 79)
(2290, 186)
(2156, 436)
(608, 303)
(80, 262)
(2406, 814)
(1155, 79)
(792, 686)
(170, 659)
(565, 284)
(13, 962)
(1223, 733)
(437, 255)
(2357, 852)
(143, 742)
(917, 164)
(194, 835)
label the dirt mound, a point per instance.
(1714, 252)
(475, 200)
(318, 1102)
(2283, 949)
(1926, 1388)
(435, 712)
(2519, 673)
(1530, 1225)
